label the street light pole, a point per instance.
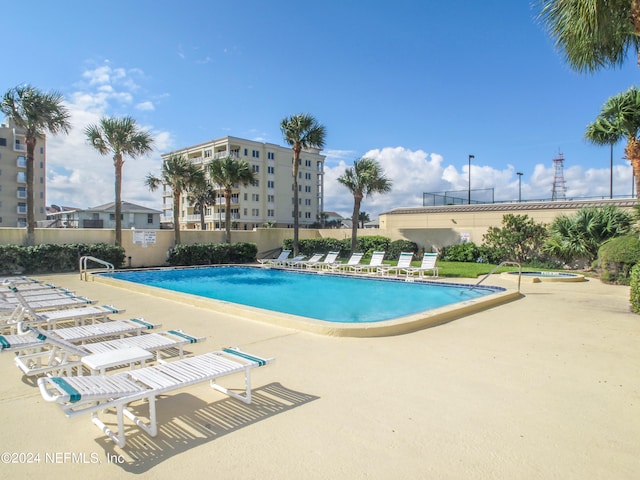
(519, 186)
(469, 172)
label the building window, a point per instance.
(207, 154)
(307, 163)
(271, 198)
(22, 177)
(246, 152)
(3, 142)
(271, 184)
(246, 196)
(41, 150)
(256, 168)
(307, 176)
(255, 212)
(271, 156)
(22, 162)
(271, 170)
(307, 188)
(255, 153)
(149, 218)
(271, 213)
(256, 183)
(307, 215)
(255, 197)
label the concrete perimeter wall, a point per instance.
(431, 228)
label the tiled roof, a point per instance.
(515, 206)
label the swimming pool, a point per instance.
(328, 298)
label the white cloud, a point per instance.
(146, 106)
(416, 172)
(78, 176)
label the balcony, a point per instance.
(226, 154)
(21, 193)
(21, 162)
(21, 209)
(90, 223)
(19, 147)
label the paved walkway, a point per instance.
(544, 387)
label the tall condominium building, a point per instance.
(269, 200)
(13, 177)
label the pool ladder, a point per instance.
(496, 268)
(83, 266)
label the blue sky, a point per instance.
(418, 85)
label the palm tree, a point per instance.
(580, 236)
(363, 217)
(365, 178)
(619, 119)
(593, 33)
(36, 113)
(603, 132)
(181, 175)
(227, 172)
(120, 137)
(301, 131)
(203, 195)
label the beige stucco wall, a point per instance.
(431, 228)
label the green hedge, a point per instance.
(212, 253)
(616, 258)
(635, 288)
(366, 245)
(50, 258)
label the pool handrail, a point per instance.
(83, 265)
(506, 262)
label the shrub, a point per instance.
(366, 245)
(51, 258)
(398, 246)
(635, 288)
(520, 238)
(461, 252)
(579, 236)
(212, 253)
(617, 257)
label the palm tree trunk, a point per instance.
(203, 226)
(117, 161)
(357, 201)
(176, 217)
(632, 152)
(227, 216)
(297, 148)
(31, 207)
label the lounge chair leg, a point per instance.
(118, 438)
(246, 398)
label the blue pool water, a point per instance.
(327, 297)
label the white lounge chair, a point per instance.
(313, 260)
(31, 340)
(428, 265)
(59, 357)
(372, 266)
(290, 263)
(330, 259)
(55, 318)
(267, 262)
(48, 301)
(354, 259)
(404, 261)
(80, 395)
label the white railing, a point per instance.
(18, 147)
(85, 260)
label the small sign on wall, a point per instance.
(143, 238)
(465, 237)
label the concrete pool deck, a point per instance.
(547, 386)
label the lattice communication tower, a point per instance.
(559, 191)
